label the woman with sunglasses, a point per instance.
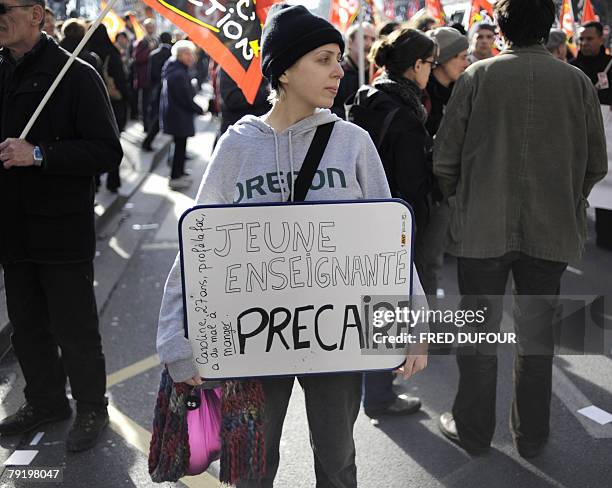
(392, 112)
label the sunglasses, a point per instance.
(4, 8)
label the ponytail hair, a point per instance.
(401, 49)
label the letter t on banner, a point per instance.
(228, 31)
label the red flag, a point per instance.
(588, 13)
(389, 8)
(568, 24)
(343, 13)
(434, 8)
(481, 11)
(229, 32)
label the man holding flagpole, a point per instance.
(47, 237)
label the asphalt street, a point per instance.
(136, 250)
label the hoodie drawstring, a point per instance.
(291, 166)
(278, 175)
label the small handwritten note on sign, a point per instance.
(283, 289)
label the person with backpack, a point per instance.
(392, 113)
(301, 55)
(116, 86)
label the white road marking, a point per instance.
(21, 458)
(160, 246)
(37, 438)
(596, 414)
(114, 245)
(575, 400)
(571, 269)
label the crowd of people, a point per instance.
(461, 132)
(134, 72)
(446, 122)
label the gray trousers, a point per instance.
(332, 406)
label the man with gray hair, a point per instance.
(177, 108)
(557, 44)
(47, 236)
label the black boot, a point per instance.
(86, 430)
(402, 405)
(28, 418)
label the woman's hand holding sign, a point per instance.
(416, 360)
(195, 381)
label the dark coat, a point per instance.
(591, 65)
(157, 59)
(233, 104)
(436, 99)
(117, 73)
(141, 62)
(349, 84)
(177, 108)
(405, 149)
(70, 44)
(47, 213)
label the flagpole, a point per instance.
(360, 44)
(64, 70)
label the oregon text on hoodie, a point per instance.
(254, 164)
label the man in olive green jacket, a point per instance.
(519, 149)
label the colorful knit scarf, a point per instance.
(242, 438)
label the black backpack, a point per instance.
(369, 118)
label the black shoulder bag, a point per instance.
(311, 162)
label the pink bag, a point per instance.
(204, 430)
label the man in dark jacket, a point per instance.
(517, 199)
(47, 239)
(349, 84)
(593, 60)
(178, 108)
(157, 59)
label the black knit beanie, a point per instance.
(290, 32)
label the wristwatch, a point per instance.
(38, 156)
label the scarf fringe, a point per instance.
(169, 449)
(242, 438)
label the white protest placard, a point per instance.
(279, 289)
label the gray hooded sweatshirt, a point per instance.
(251, 164)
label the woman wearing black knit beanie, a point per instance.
(300, 56)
